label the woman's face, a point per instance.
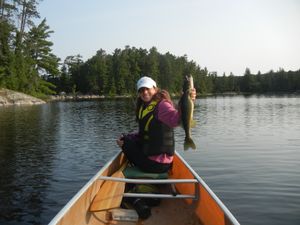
(146, 94)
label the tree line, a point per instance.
(117, 73)
(270, 82)
(27, 64)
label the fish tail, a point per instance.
(189, 143)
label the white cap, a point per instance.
(146, 82)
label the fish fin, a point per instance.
(189, 143)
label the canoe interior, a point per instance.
(170, 211)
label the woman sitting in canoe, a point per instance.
(152, 148)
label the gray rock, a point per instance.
(9, 97)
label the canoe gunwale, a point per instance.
(198, 181)
(73, 200)
(212, 194)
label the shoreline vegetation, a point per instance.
(11, 98)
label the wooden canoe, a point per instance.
(207, 209)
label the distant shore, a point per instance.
(9, 97)
(84, 97)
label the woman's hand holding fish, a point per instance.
(120, 141)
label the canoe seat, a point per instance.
(134, 172)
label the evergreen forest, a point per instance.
(27, 64)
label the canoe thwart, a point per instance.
(146, 195)
(148, 181)
(173, 195)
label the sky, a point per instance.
(225, 36)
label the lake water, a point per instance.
(248, 152)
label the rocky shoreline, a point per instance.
(9, 97)
(84, 97)
(74, 97)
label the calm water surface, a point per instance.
(248, 153)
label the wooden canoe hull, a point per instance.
(208, 209)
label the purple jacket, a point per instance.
(170, 116)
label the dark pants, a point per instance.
(133, 151)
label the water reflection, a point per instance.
(249, 155)
(247, 151)
(26, 158)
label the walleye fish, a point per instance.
(187, 108)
